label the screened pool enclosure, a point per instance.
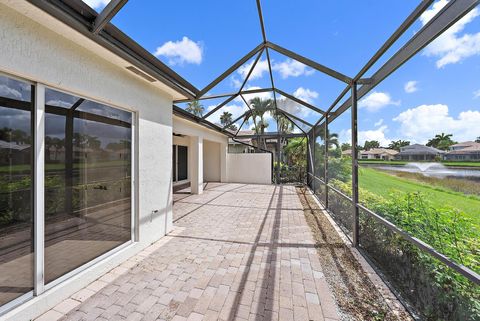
(429, 256)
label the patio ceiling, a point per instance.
(284, 105)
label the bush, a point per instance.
(435, 290)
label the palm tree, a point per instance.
(397, 144)
(195, 108)
(284, 124)
(225, 119)
(259, 108)
(441, 141)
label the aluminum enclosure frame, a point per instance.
(97, 27)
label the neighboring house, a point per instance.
(240, 145)
(378, 153)
(347, 152)
(11, 152)
(467, 151)
(55, 154)
(417, 152)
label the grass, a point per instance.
(446, 163)
(382, 184)
(56, 167)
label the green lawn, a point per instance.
(56, 167)
(381, 162)
(382, 184)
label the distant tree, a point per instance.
(346, 146)
(477, 140)
(260, 107)
(195, 108)
(225, 119)
(296, 151)
(284, 124)
(397, 144)
(371, 144)
(17, 136)
(441, 141)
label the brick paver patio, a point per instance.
(239, 252)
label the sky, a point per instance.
(436, 91)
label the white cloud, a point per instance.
(305, 94)
(451, 47)
(96, 4)
(292, 68)
(9, 92)
(260, 68)
(182, 51)
(411, 86)
(248, 97)
(476, 94)
(345, 136)
(236, 83)
(235, 110)
(421, 123)
(376, 101)
(379, 122)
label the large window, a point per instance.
(88, 181)
(86, 190)
(16, 218)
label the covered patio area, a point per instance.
(238, 251)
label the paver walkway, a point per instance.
(240, 252)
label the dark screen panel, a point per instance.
(182, 163)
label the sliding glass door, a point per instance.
(88, 180)
(16, 189)
(82, 187)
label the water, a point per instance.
(432, 170)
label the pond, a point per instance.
(435, 170)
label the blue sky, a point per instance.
(438, 90)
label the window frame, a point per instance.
(38, 191)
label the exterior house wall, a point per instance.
(198, 135)
(37, 53)
(249, 168)
(211, 161)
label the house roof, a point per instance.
(12, 145)
(417, 149)
(464, 144)
(375, 151)
(472, 149)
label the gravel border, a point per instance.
(358, 290)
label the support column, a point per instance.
(196, 168)
(325, 164)
(223, 162)
(355, 227)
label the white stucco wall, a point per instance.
(211, 161)
(39, 54)
(249, 168)
(198, 135)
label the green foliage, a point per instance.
(441, 141)
(436, 290)
(226, 118)
(397, 144)
(371, 144)
(340, 169)
(346, 146)
(195, 108)
(296, 152)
